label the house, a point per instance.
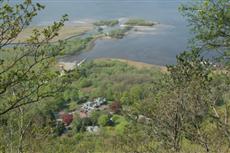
(100, 101)
(92, 105)
(83, 114)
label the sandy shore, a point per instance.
(66, 32)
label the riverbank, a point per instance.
(136, 64)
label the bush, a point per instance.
(67, 118)
(120, 128)
(85, 83)
(117, 119)
(59, 129)
(81, 124)
(120, 123)
(103, 120)
(73, 105)
(95, 117)
(115, 107)
(82, 100)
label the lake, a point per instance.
(157, 47)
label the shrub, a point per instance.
(59, 129)
(115, 107)
(85, 83)
(95, 117)
(81, 124)
(67, 118)
(103, 120)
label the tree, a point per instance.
(183, 103)
(103, 120)
(95, 116)
(28, 75)
(115, 107)
(209, 20)
(185, 107)
(81, 124)
(67, 118)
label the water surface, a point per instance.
(158, 47)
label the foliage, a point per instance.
(28, 77)
(186, 109)
(103, 120)
(120, 124)
(95, 117)
(210, 20)
(119, 33)
(85, 83)
(76, 45)
(118, 79)
(81, 124)
(59, 129)
(67, 118)
(115, 107)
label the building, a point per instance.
(92, 129)
(83, 114)
(92, 105)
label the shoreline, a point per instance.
(136, 64)
(75, 30)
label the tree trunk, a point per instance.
(21, 123)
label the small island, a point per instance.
(109, 23)
(119, 33)
(139, 22)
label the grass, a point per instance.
(139, 22)
(77, 45)
(119, 33)
(138, 65)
